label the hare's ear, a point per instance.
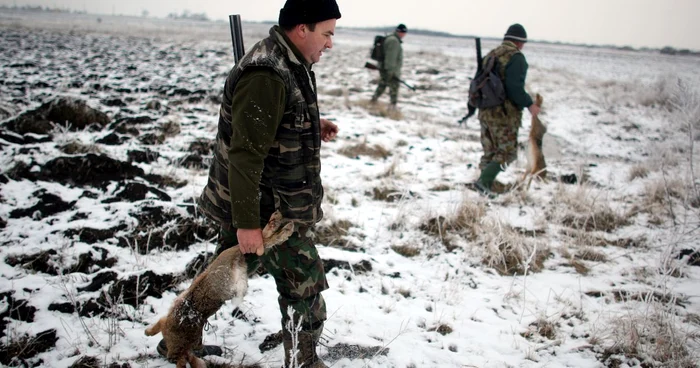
(279, 235)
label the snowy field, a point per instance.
(98, 232)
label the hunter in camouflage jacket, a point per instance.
(267, 156)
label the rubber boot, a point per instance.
(487, 177)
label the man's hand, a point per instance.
(250, 241)
(328, 130)
(534, 109)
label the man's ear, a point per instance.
(301, 30)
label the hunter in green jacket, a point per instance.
(390, 67)
(500, 124)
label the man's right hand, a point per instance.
(250, 241)
(534, 109)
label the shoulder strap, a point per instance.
(489, 64)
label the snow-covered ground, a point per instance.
(423, 271)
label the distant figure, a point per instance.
(500, 124)
(390, 68)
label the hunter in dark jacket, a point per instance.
(267, 158)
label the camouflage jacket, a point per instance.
(393, 55)
(513, 73)
(287, 176)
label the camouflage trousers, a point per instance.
(298, 272)
(384, 81)
(499, 138)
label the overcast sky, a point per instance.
(637, 23)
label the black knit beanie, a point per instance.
(401, 28)
(308, 12)
(516, 32)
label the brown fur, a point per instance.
(537, 168)
(225, 278)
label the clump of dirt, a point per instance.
(112, 139)
(193, 161)
(72, 113)
(134, 290)
(98, 281)
(91, 169)
(90, 236)
(17, 351)
(87, 362)
(271, 341)
(179, 235)
(159, 228)
(52, 263)
(152, 139)
(135, 191)
(359, 268)
(17, 309)
(203, 147)
(49, 205)
(146, 156)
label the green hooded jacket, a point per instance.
(393, 55)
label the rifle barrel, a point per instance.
(236, 36)
(479, 59)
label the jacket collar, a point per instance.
(293, 53)
(510, 44)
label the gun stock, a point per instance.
(371, 66)
(236, 36)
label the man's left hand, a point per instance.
(328, 130)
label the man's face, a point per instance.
(401, 34)
(315, 42)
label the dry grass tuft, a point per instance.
(364, 149)
(582, 239)
(336, 92)
(579, 266)
(541, 327)
(332, 235)
(509, 252)
(638, 172)
(440, 188)
(386, 194)
(443, 329)
(406, 250)
(406, 293)
(659, 192)
(653, 338)
(585, 211)
(380, 109)
(588, 254)
(604, 219)
(464, 222)
(171, 128)
(660, 95)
